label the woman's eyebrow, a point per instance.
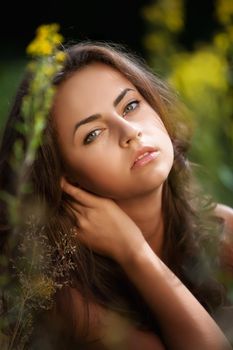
(86, 120)
(93, 117)
(121, 96)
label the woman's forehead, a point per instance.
(94, 81)
(97, 75)
(90, 90)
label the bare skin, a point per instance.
(150, 221)
(111, 193)
(184, 322)
(122, 130)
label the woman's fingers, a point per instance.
(81, 196)
(76, 207)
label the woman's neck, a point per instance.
(146, 212)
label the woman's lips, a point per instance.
(145, 158)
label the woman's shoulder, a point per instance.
(226, 247)
(226, 213)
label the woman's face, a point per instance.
(103, 125)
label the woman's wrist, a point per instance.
(135, 253)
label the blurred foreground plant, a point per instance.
(28, 280)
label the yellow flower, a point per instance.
(46, 62)
(60, 57)
(48, 70)
(196, 74)
(165, 13)
(224, 9)
(230, 32)
(221, 41)
(46, 41)
(156, 42)
(46, 29)
(56, 38)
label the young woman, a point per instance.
(112, 172)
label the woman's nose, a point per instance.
(129, 133)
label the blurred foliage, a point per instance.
(11, 72)
(203, 79)
(30, 272)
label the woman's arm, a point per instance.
(105, 228)
(185, 324)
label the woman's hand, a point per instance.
(102, 225)
(105, 228)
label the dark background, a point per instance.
(115, 21)
(118, 21)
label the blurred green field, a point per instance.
(11, 72)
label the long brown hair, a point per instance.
(186, 226)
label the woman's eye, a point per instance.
(92, 136)
(130, 107)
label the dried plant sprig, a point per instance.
(40, 270)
